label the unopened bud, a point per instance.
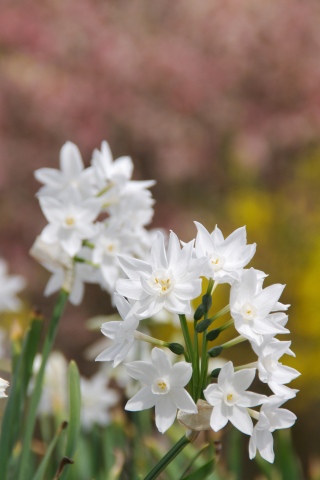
(215, 351)
(202, 326)
(176, 348)
(215, 373)
(200, 311)
(213, 334)
(207, 301)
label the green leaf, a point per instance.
(75, 409)
(286, 459)
(11, 422)
(202, 472)
(74, 417)
(36, 394)
(45, 461)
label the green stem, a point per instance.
(146, 338)
(186, 334)
(88, 244)
(204, 357)
(189, 347)
(196, 366)
(233, 342)
(177, 448)
(226, 325)
(36, 394)
(247, 365)
(105, 190)
(87, 262)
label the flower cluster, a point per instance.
(93, 214)
(171, 279)
(96, 233)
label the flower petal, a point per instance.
(165, 413)
(183, 400)
(143, 371)
(161, 362)
(141, 400)
(180, 374)
(241, 419)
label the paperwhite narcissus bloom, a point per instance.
(271, 418)
(72, 173)
(70, 220)
(109, 172)
(54, 394)
(225, 258)
(10, 285)
(231, 400)
(269, 368)
(108, 244)
(65, 273)
(163, 388)
(3, 385)
(112, 182)
(133, 210)
(251, 307)
(169, 280)
(121, 333)
(96, 400)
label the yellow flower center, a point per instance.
(162, 385)
(165, 284)
(70, 221)
(230, 397)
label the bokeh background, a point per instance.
(218, 100)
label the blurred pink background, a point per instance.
(219, 101)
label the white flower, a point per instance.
(72, 173)
(109, 172)
(163, 388)
(66, 273)
(282, 391)
(270, 370)
(271, 418)
(225, 258)
(54, 395)
(169, 280)
(134, 208)
(121, 333)
(251, 307)
(3, 385)
(230, 399)
(10, 285)
(108, 244)
(96, 400)
(112, 183)
(73, 280)
(70, 220)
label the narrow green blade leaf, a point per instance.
(75, 412)
(11, 421)
(45, 461)
(202, 472)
